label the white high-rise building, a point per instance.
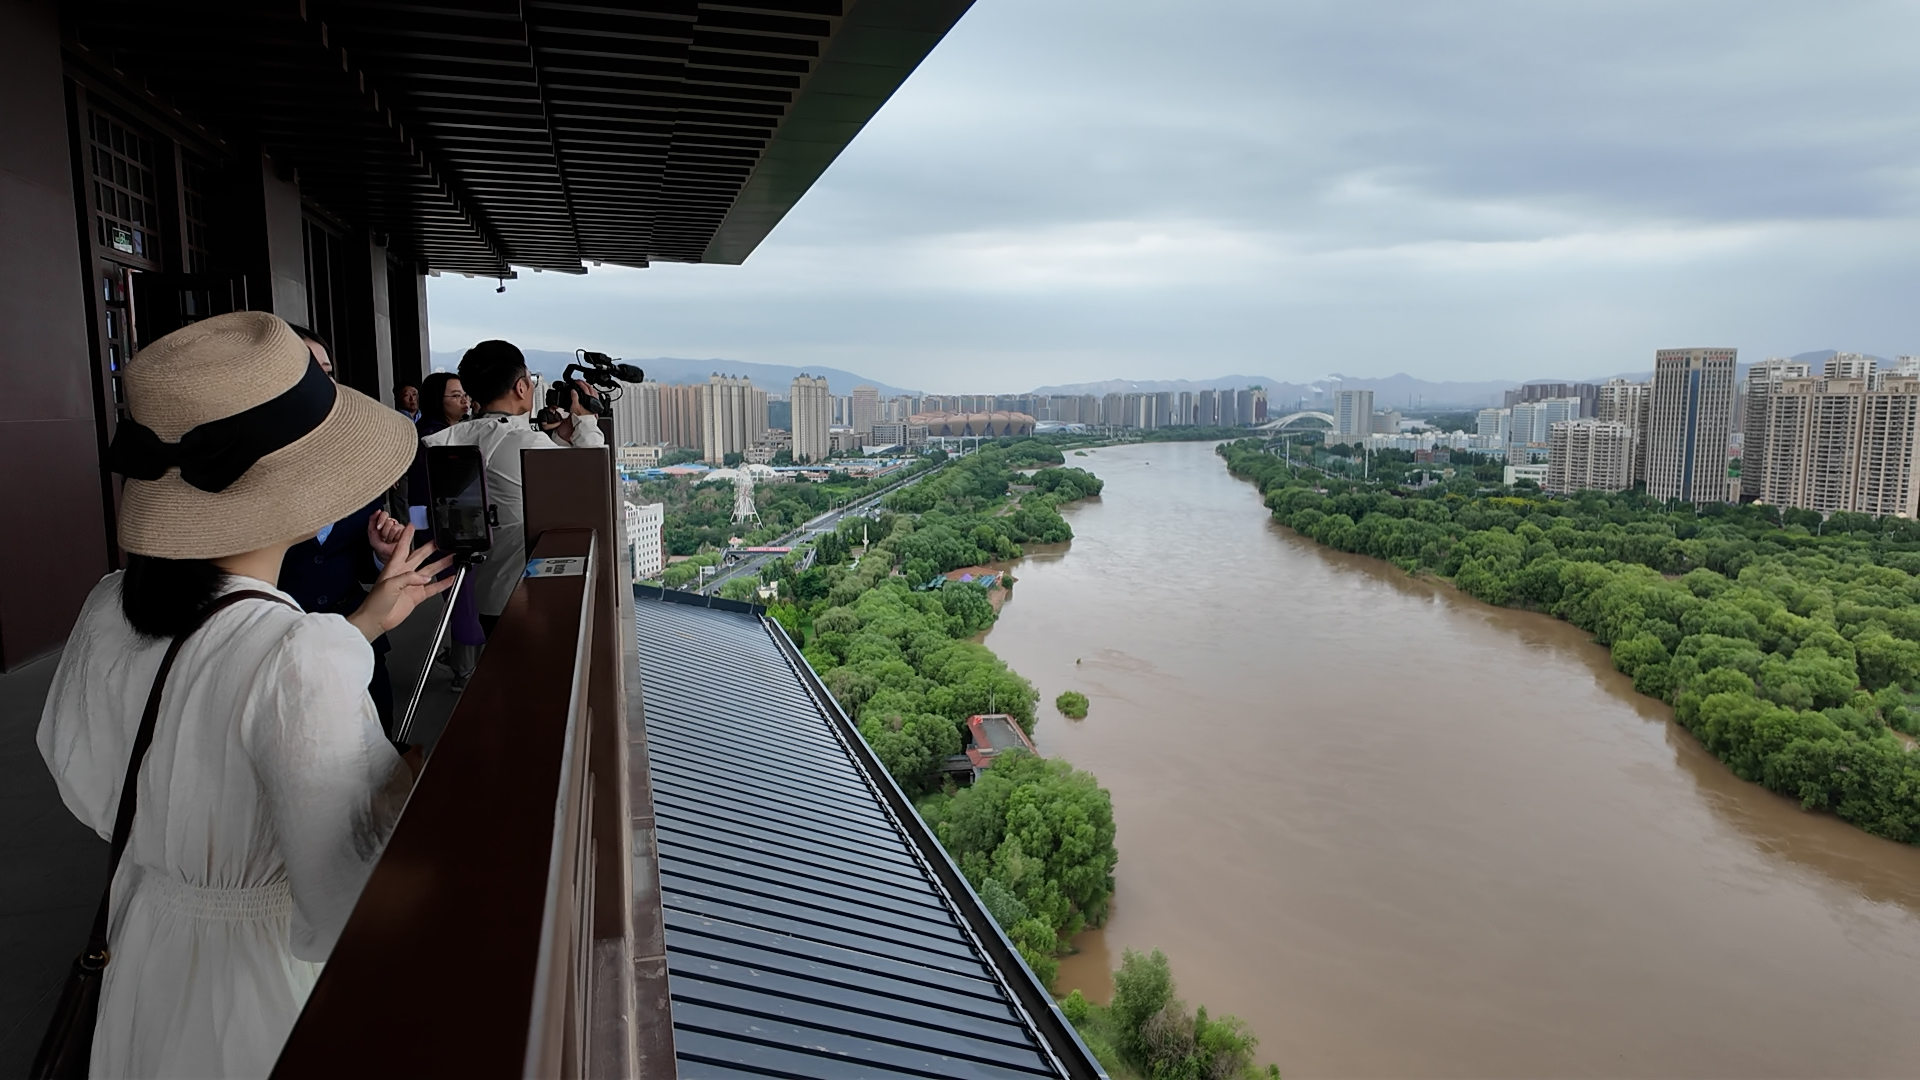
(1553, 411)
(812, 418)
(1763, 381)
(734, 414)
(1589, 455)
(1842, 444)
(1491, 426)
(1689, 421)
(636, 415)
(1352, 413)
(1523, 424)
(646, 539)
(1624, 402)
(866, 409)
(1848, 365)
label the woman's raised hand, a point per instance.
(383, 535)
(407, 580)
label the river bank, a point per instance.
(1404, 832)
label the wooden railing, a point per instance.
(512, 926)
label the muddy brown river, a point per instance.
(1403, 833)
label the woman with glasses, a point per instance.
(443, 403)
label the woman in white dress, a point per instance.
(269, 789)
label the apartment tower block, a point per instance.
(1689, 421)
(1589, 455)
(866, 409)
(812, 418)
(1353, 413)
(1622, 402)
(1844, 442)
(1763, 382)
(734, 417)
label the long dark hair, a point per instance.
(433, 397)
(163, 597)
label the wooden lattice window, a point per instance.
(196, 212)
(125, 190)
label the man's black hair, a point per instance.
(489, 370)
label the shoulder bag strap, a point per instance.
(130, 789)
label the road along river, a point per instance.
(1403, 833)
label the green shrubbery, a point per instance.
(1027, 453)
(1072, 703)
(899, 664)
(1068, 484)
(1148, 1031)
(1034, 836)
(1793, 656)
(688, 570)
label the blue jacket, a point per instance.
(329, 577)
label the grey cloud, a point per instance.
(1079, 189)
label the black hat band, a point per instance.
(215, 454)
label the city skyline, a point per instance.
(1069, 191)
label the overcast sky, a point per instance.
(1073, 190)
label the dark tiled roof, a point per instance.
(806, 934)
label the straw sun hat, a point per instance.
(239, 440)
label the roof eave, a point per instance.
(879, 44)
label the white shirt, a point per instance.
(264, 801)
(500, 439)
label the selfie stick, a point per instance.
(405, 729)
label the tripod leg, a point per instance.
(403, 732)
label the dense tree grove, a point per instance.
(1788, 644)
(1069, 484)
(1034, 836)
(962, 519)
(1028, 453)
(1147, 1030)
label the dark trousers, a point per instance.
(487, 623)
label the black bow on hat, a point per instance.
(215, 454)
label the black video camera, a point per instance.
(598, 370)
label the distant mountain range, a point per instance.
(773, 378)
(1389, 391)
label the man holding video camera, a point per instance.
(495, 376)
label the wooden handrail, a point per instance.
(497, 935)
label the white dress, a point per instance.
(265, 799)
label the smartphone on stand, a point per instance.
(462, 519)
(458, 509)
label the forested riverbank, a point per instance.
(1034, 836)
(1788, 645)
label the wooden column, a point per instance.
(48, 434)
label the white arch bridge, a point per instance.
(1299, 421)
